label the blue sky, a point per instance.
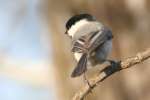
(13, 90)
(20, 34)
(20, 40)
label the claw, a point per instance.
(115, 64)
(111, 61)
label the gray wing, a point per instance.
(91, 41)
(81, 66)
(102, 36)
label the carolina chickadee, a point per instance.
(91, 41)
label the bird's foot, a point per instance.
(112, 62)
(115, 64)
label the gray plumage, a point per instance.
(91, 43)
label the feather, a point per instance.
(86, 45)
(81, 66)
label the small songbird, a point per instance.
(91, 41)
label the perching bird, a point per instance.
(91, 41)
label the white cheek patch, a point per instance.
(74, 28)
(77, 56)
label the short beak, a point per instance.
(66, 32)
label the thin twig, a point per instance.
(109, 70)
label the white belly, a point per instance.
(77, 56)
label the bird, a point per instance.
(91, 42)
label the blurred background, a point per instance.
(35, 57)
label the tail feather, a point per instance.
(81, 66)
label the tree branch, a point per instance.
(109, 70)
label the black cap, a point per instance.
(77, 18)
